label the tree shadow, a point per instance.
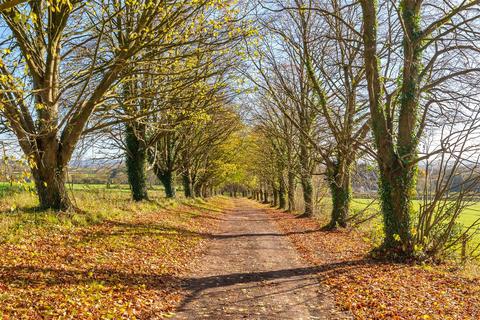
(32, 276)
(112, 229)
(25, 276)
(197, 286)
(206, 207)
(139, 229)
(27, 209)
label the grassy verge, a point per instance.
(373, 228)
(119, 259)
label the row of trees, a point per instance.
(153, 76)
(392, 84)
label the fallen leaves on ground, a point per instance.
(371, 289)
(128, 268)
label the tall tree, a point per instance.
(48, 107)
(400, 115)
(175, 83)
(332, 54)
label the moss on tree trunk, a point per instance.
(167, 178)
(136, 159)
(340, 189)
(187, 185)
(306, 180)
(307, 196)
(291, 191)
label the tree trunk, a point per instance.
(306, 181)
(187, 185)
(307, 196)
(291, 191)
(396, 153)
(197, 189)
(265, 196)
(340, 188)
(282, 202)
(397, 188)
(51, 189)
(136, 157)
(168, 181)
(275, 197)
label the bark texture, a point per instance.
(136, 160)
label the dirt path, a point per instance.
(251, 271)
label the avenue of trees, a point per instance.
(391, 85)
(71, 68)
(268, 99)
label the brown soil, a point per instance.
(252, 271)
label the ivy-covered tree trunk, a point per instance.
(306, 181)
(282, 201)
(136, 159)
(396, 151)
(275, 197)
(167, 178)
(397, 190)
(187, 185)
(340, 189)
(291, 191)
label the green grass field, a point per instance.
(373, 227)
(469, 216)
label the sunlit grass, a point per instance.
(19, 214)
(114, 257)
(362, 208)
(469, 215)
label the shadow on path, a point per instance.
(25, 276)
(118, 229)
(197, 285)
